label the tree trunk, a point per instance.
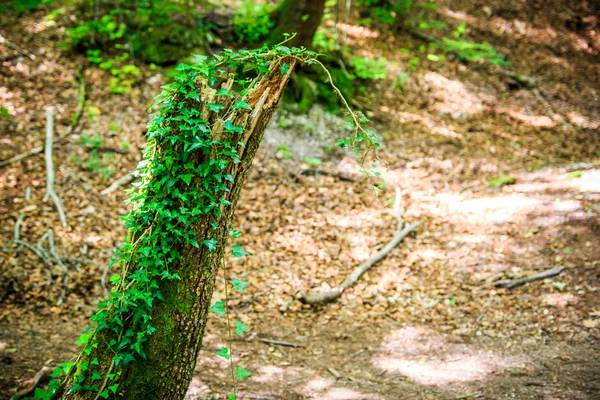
(180, 319)
(297, 16)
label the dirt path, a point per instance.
(425, 323)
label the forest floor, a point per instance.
(427, 321)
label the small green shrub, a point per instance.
(501, 181)
(21, 6)
(369, 68)
(251, 22)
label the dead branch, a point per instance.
(21, 216)
(280, 343)
(50, 193)
(34, 382)
(13, 46)
(66, 275)
(401, 232)
(124, 180)
(75, 121)
(40, 253)
(511, 284)
(285, 306)
(317, 172)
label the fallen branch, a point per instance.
(69, 131)
(13, 46)
(280, 343)
(401, 232)
(34, 382)
(124, 180)
(317, 172)
(21, 216)
(40, 253)
(50, 193)
(511, 284)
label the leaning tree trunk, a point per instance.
(297, 16)
(180, 319)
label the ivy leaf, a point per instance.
(240, 328)
(113, 388)
(231, 396)
(238, 284)
(242, 373)
(215, 107)
(231, 128)
(241, 104)
(104, 394)
(284, 68)
(224, 352)
(84, 338)
(224, 92)
(237, 251)
(96, 376)
(187, 178)
(211, 244)
(95, 361)
(218, 308)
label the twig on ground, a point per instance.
(44, 372)
(59, 261)
(124, 180)
(285, 306)
(13, 46)
(280, 343)
(401, 232)
(21, 216)
(316, 172)
(333, 372)
(50, 193)
(511, 284)
(115, 150)
(40, 253)
(75, 121)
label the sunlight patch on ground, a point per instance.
(322, 388)
(537, 121)
(427, 358)
(451, 96)
(589, 181)
(433, 125)
(196, 389)
(269, 373)
(495, 209)
(582, 121)
(559, 300)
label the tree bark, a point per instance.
(297, 16)
(180, 319)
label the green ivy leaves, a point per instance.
(237, 251)
(218, 308)
(238, 284)
(224, 353)
(241, 104)
(240, 328)
(211, 244)
(241, 373)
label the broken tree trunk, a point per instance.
(180, 317)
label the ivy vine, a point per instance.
(166, 204)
